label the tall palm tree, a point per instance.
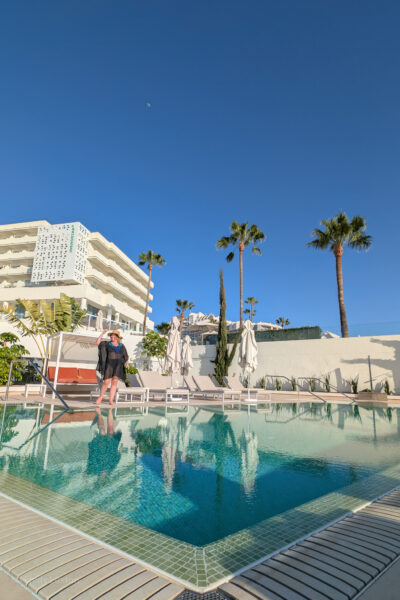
(251, 311)
(338, 232)
(181, 307)
(242, 236)
(282, 322)
(149, 259)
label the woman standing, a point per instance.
(113, 360)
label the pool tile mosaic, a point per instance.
(201, 567)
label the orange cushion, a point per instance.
(65, 374)
(87, 376)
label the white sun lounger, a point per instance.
(247, 394)
(160, 385)
(207, 387)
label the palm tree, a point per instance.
(242, 236)
(338, 232)
(149, 259)
(181, 307)
(163, 328)
(282, 322)
(251, 311)
(42, 319)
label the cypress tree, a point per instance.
(220, 366)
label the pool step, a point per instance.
(334, 564)
(56, 563)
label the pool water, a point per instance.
(198, 474)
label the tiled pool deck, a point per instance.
(201, 568)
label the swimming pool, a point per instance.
(199, 483)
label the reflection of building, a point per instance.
(38, 261)
(199, 325)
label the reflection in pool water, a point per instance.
(199, 474)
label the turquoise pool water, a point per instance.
(198, 474)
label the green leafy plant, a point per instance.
(149, 259)
(354, 384)
(155, 346)
(312, 383)
(241, 236)
(386, 387)
(293, 383)
(10, 350)
(366, 390)
(339, 232)
(41, 319)
(224, 357)
(245, 382)
(327, 382)
(278, 384)
(262, 383)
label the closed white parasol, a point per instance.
(187, 360)
(173, 355)
(248, 349)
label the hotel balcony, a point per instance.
(112, 268)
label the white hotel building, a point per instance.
(38, 261)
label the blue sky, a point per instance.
(277, 113)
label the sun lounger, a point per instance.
(207, 387)
(247, 394)
(127, 394)
(160, 385)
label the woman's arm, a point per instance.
(100, 337)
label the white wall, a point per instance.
(342, 358)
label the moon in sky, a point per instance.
(148, 104)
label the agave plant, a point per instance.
(42, 319)
(327, 382)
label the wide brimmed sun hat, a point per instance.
(115, 332)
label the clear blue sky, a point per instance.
(279, 113)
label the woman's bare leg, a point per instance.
(103, 390)
(113, 390)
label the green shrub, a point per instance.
(386, 387)
(327, 382)
(354, 384)
(293, 382)
(312, 383)
(262, 383)
(278, 384)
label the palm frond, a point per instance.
(230, 257)
(256, 250)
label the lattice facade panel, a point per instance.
(60, 253)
